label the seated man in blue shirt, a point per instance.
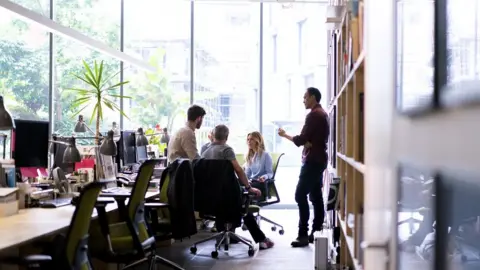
(219, 149)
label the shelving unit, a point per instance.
(346, 144)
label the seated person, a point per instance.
(220, 150)
(259, 165)
(205, 146)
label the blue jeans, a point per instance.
(310, 184)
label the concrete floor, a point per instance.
(281, 256)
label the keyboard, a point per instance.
(59, 202)
(116, 190)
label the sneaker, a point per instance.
(301, 241)
(266, 244)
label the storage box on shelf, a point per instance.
(347, 92)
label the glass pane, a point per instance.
(24, 65)
(416, 235)
(97, 19)
(158, 31)
(414, 53)
(294, 58)
(461, 195)
(41, 6)
(226, 68)
(98, 23)
(463, 50)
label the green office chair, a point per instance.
(73, 252)
(160, 217)
(271, 197)
(129, 242)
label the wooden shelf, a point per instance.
(349, 241)
(346, 145)
(357, 165)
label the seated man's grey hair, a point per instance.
(221, 133)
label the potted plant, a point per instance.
(99, 93)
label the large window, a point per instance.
(99, 23)
(226, 68)
(159, 32)
(24, 64)
(221, 64)
(301, 46)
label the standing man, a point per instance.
(314, 138)
(165, 137)
(183, 144)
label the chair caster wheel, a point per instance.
(193, 250)
(214, 254)
(251, 252)
(281, 232)
(274, 228)
(244, 227)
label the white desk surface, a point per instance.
(33, 223)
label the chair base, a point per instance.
(224, 237)
(152, 262)
(274, 227)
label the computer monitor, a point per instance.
(141, 153)
(128, 144)
(30, 143)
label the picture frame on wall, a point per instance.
(420, 56)
(415, 217)
(457, 225)
(462, 46)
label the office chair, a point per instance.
(218, 194)
(73, 251)
(271, 197)
(60, 180)
(176, 221)
(129, 241)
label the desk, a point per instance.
(34, 223)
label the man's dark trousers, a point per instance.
(310, 184)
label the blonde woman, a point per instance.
(259, 165)
(210, 138)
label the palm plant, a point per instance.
(99, 93)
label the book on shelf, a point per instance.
(361, 147)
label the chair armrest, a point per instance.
(103, 201)
(123, 180)
(156, 205)
(27, 260)
(116, 196)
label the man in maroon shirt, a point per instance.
(313, 138)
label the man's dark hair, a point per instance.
(194, 112)
(165, 129)
(221, 133)
(312, 91)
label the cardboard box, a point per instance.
(8, 202)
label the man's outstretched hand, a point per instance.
(281, 132)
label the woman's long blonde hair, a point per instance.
(259, 145)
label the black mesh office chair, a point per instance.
(218, 194)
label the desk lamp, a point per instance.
(6, 121)
(71, 154)
(141, 138)
(108, 146)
